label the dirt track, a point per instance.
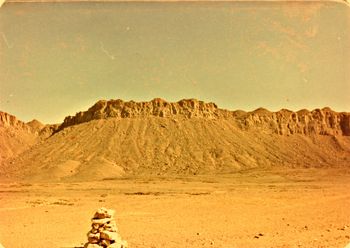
(307, 208)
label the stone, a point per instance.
(112, 229)
(93, 240)
(95, 226)
(110, 236)
(103, 213)
(93, 235)
(111, 223)
(101, 221)
(105, 242)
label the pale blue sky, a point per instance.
(58, 59)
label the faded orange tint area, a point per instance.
(250, 149)
(289, 208)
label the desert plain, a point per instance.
(255, 208)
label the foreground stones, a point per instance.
(104, 231)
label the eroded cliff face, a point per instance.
(15, 136)
(7, 120)
(156, 108)
(284, 122)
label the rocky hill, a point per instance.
(285, 122)
(15, 136)
(7, 120)
(158, 107)
(116, 138)
(319, 121)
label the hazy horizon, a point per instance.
(57, 59)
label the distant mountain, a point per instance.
(35, 125)
(116, 138)
(319, 121)
(15, 136)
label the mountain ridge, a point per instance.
(15, 136)
(115, 138)
(318, 121)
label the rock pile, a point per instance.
(104, 231)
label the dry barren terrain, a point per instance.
(295, 208)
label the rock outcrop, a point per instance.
(35, 127)
(284, 122)
(7, 120)
(187, 108)
(17, 136)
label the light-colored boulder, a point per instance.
(103, 213)
(111, 223)
(112, 226)
(93, 235)
(105, 242)
(112, 229)
(110, 236)
(100, 221)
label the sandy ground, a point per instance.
(296, 208)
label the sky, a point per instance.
(57, 59)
